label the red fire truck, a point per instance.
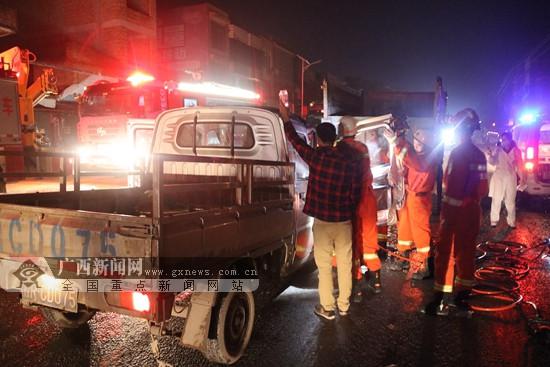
(117, 119)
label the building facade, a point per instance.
(199, 42)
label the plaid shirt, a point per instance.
(334, 184)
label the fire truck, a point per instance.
(17, 101)
(117, 118)
(532, 136)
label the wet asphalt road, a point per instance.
(385, 330)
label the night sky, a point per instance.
(405, 44)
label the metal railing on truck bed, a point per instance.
(240, 181)
(176, 184)
(69, 166)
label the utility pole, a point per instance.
(325, 98)
(305, 65)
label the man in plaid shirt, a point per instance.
(333, 192)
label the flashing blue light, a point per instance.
(528, 118)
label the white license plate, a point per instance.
(63, 300)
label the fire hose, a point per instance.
(504, 264)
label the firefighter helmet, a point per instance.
(466, 120)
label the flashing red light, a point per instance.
(140, 302)
(530, 153)
(216, 89)
(529, 166)
(139, 77)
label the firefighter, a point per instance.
(465, 183)
(503, 187)
(365, 233)
(413, 228)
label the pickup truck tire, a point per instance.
(67, 320)
(235, 316)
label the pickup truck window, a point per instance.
(215, 135)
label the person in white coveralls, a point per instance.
(503, 187)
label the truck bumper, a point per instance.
(33, 274)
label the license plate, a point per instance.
(63, 300)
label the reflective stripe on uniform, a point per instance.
(423, 249)
(451, 201)
(465, 282)
(443, 288)
(370, 257)
(404, 243)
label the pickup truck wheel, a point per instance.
(67, 320)
(235, 321)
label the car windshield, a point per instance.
(115, 99)
(377, 145)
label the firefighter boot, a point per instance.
(422, 273)
(400, 265)
(439, 306)
(461, 300)
(373, 282)
(420, 268)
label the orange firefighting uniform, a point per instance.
(414, 218)
(465, 183)
(365, 233)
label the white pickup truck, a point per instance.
(223, 191)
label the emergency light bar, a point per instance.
(528, 117)
(216, 89)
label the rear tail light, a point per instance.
(140, 302)
(529, 166)
(530, 153)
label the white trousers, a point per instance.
(503, 188)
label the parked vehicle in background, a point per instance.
(370, 132)
(533, 139)
(114, 115)
(19, 98)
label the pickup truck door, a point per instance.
(304, 223)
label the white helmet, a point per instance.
(349, 125)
